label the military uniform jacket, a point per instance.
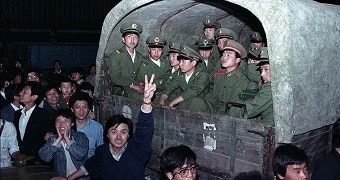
(226, 88)
(194, 88)
(161, 72)
(123, 71)
(213, 65)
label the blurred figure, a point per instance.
(51, 98)
(12, 95)
(329, 166)
(9, 144)
(56, 74)
(77, 75)
(91, 78)
(179, 162)
(4, 82)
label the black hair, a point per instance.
(66, 113)
(251, 175)
(175, 157)
(36, 89)
(77, 69)
(116, 120)
(57, 61)
(11, 91)
(86, 86)
(285, 155)
(336, 134)
(80, 96)
(49, 87)
(65, 80)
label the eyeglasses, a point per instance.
(32, 77)
(184, 172)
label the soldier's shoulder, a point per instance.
(218, 72)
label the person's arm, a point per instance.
(177, 100)
(149, 90)
(76, 174)
(78, 146)
(162, 99)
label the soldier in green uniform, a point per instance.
(257, 39)
(209, 32)
(124, 63)
(173, 53)
(261, 106)
(253, 58)
(228, 82)
(191, 81)
(205, 49)
(154, 64)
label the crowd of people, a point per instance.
(53, 122)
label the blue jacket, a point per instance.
(78, 149)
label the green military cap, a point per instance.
(174, 47)
(226, 33)
(256, 37)
(254, 52)
(211, 24)
(204, 43)
(131, 28)
(156, 41)
(264, 57)
(189, 53)
(235, 46)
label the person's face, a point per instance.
(63, 124)
(118, 136)
(26, 95)
(81, 109)
(173, 59)
(155, 53)
(220, 43)
(250, 61)
(259, 44)
(57, 66)
(296, 172)
(18, 64)
(51, 97)
(93, 70)
(17, 79)
(33, 76)
(89, 92)
(229, 60)
(187, 66)
(130, 40)
(66, 88)
(209, 33)
(76, 76)
(205, 54)
(184, 173)
(265, 73)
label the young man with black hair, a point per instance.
(290, 163)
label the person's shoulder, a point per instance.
(218, 72)
(95, 123)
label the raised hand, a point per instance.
(149, 88)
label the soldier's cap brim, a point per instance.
(263, 62)
(187, 57)
(156, 45)
(132, 31)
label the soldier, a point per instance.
(261, 105)
(205, 49)
(252, 71)
(223, 34)
(154, 64)
(209, 31)
(126, 61)
(228, 82)
(191, 81)
(173, 53)
(257, 39)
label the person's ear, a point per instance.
(72, 109)
(34, 97)
(238, 60)
(280, 177)
(169, 175)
